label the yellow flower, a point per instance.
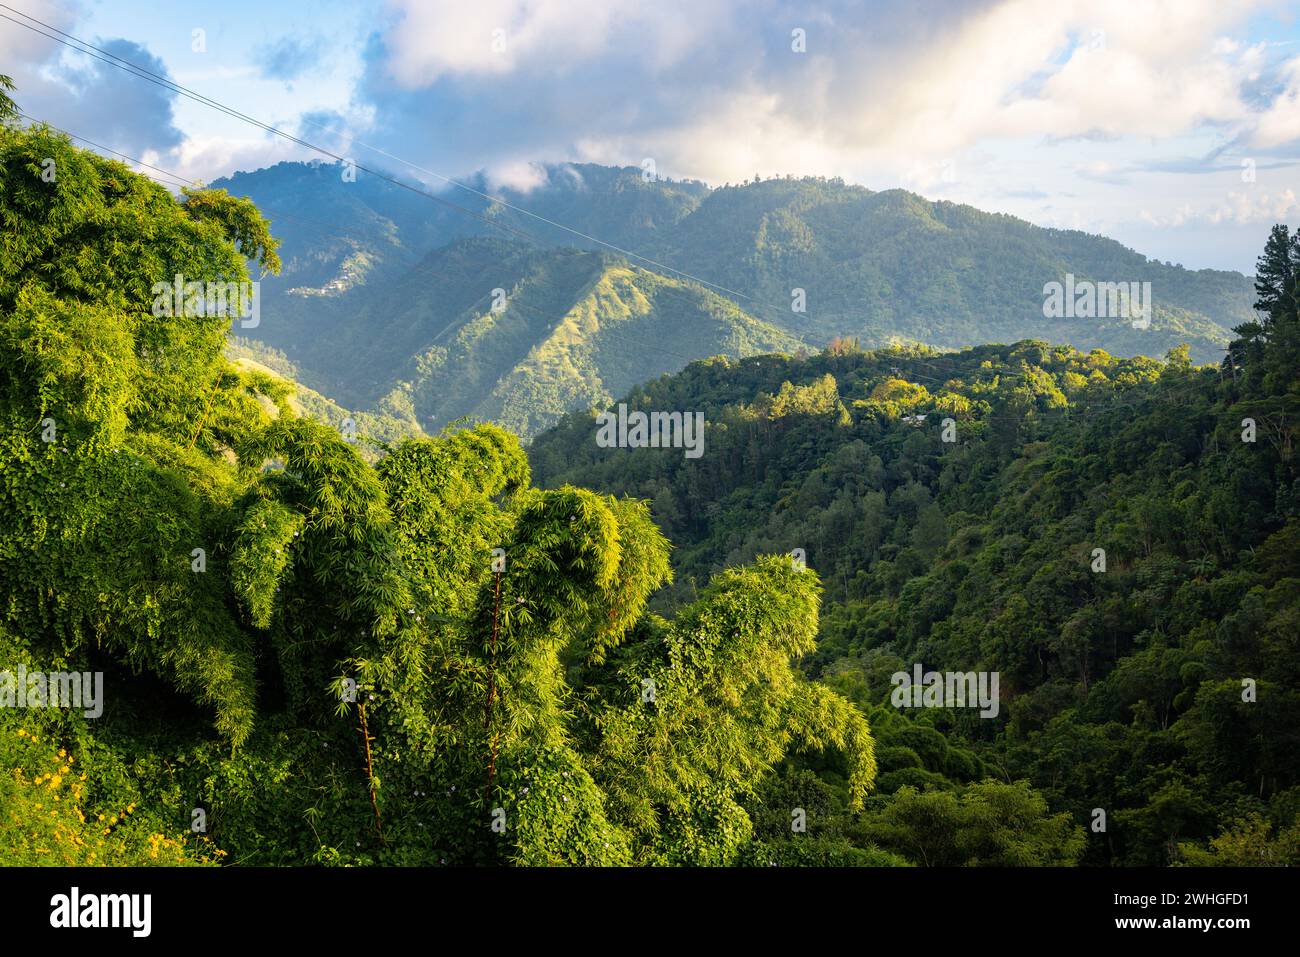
(63, 753)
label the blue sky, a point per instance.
(1171, 126)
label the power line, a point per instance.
(159, 80)
(138, 71)
(521, 307)
(175, 179)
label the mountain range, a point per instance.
(518, 306)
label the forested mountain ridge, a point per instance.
(562, 329)
(1118, 538)
(878, 266)
(890, 264)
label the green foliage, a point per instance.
(989, 824)
(723, 665)
(66, 800)
(114, 422)
(260, 557)
(1250, 843)
(8, 109)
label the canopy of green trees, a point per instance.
(419, 661)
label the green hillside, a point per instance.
(529, 364)
(573, 329)
(373, 431)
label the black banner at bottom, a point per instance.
(352, 905)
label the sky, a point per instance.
(1170, 125)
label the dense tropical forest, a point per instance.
(320, 647)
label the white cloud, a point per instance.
(1075, 112)
(714, 87)
(428, 40)
(20, 46)
(519, 176)
(1280, 123)
(1244, 207)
